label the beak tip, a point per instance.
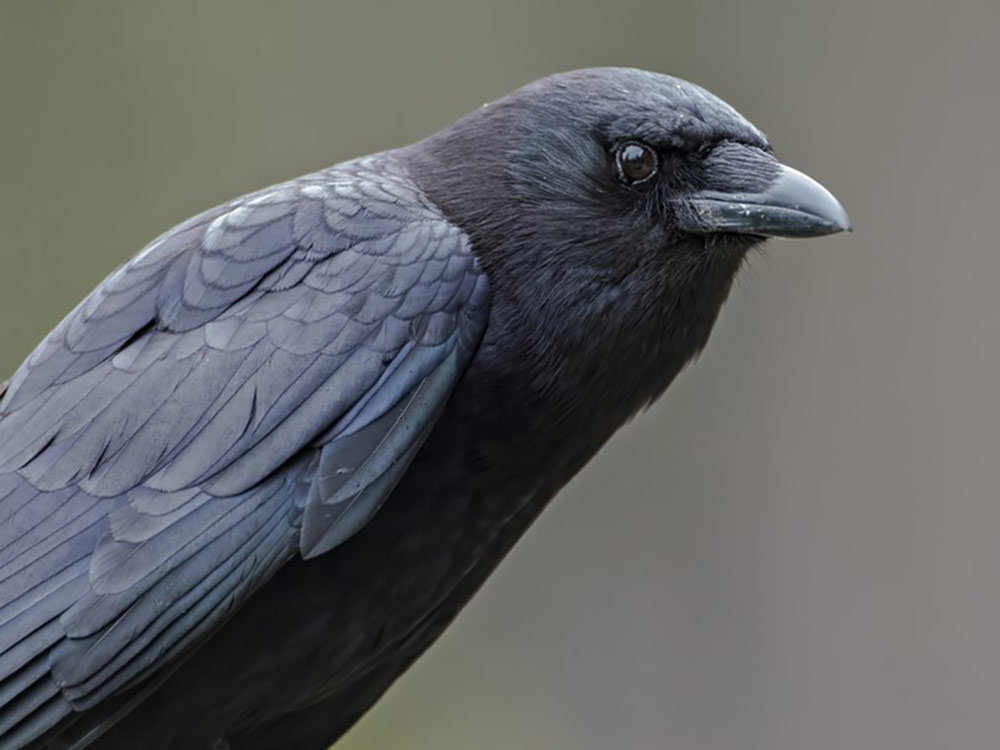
(841, 223)
(798, 190)
(842, 220)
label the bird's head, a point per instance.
(606, 156)
(617, 199)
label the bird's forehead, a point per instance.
(624, 101)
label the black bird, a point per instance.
(257, 472)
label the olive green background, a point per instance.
(798, 546)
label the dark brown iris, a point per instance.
(636, 162)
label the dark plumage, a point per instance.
(305, 426)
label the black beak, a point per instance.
(794, 205)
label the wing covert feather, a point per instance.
(249, 387)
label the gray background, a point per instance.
(797, 547)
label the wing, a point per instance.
(251, 386)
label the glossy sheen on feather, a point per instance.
(140, 442)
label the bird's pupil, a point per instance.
(637, 162)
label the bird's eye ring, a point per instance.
(636, 162)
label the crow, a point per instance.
(260, 469)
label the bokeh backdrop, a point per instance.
(796, 548)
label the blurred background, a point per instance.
(798, 546)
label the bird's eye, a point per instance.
(636, 162)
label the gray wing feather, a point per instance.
(251, 386)
(358, 469)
